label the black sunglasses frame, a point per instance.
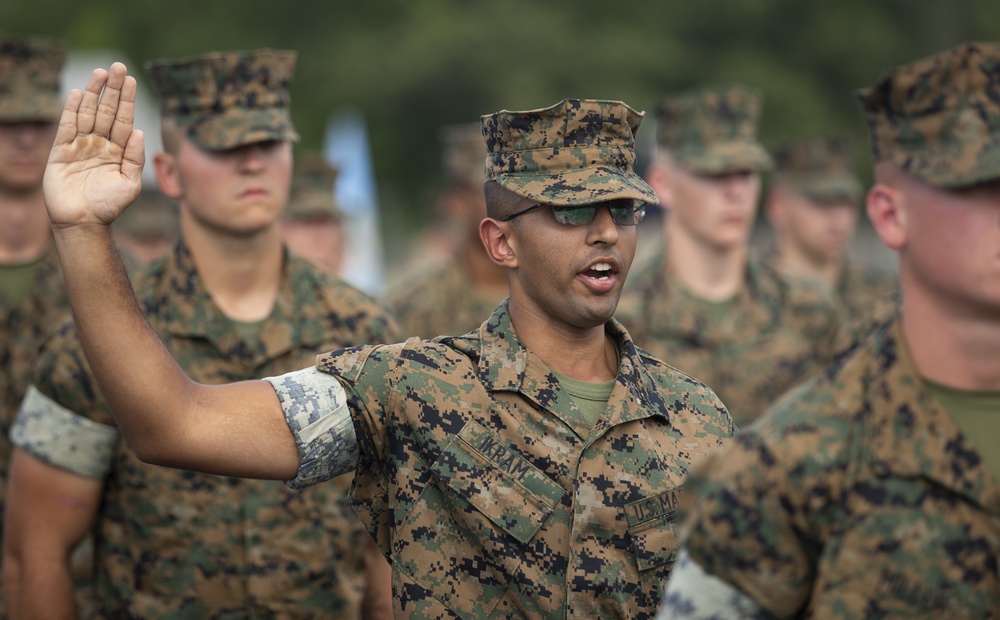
(630, 215)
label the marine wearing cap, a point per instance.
(223, 100)
(576, 152)
(464, 155)
(29, 79)
(713, 130)
(312, 195)
(819, 169)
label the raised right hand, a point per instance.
(95, 167)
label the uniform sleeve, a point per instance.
(693, 594)
(63, 419)
(760, 508)
(315, 408)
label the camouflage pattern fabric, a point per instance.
(442, 302)
(152, 215)
(30, 78)
(180, 544)
(777, 333)
(464, 156)
(23, 331)
(494, 498)
(312, 190)
(859, 290)
(713, 129)
(578, 151)
(938, 118)
(227, 99)
(820, 169)
(855, 497)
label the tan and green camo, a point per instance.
(713, 129)
(776, 334)
(856, 497)
(224, 100)
(494, 496)
(464, 156)
(30, 79)
(938, 118)
(312, 194)
(819, 168)
(179, 544)
(578, 151)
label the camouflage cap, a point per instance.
(464, 154)
(819, 169)
(223, 100)
(29, 79)
(312, 190)
(713, 130)
(578, 151)
(938, 118)
(153, 215)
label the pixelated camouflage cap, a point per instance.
(578, 151)
(819, 168)
(464, 154)
(223, 100)
(938, 118)
(312, 190)
(29, 78)
(153, 215)
(713, 129)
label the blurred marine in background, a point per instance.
(230, 303)
(313, 224)
(703, 305)
(150, 227)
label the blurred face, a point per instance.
(820, 231)
(144, 249)
(952, 244)
(717, 211)
(320, 241)
(570, 275)
(239, 191)
(24, 151)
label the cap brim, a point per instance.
(239, 127)
(724, 158)
(576, 187)
(832, 189)
(972, 165)
(48, 111)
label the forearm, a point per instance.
(140, 380)
(39, 589)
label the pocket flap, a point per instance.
(653, 529)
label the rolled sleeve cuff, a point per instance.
(694, 594)
(315, 408)
(62, 438)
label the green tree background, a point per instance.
(412, 66)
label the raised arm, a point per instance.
(93, 174)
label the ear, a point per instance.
(496, 238)
(166, 175)
(885, 206)
(658, 178)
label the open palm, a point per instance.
(95, 167)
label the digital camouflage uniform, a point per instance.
(173, 543)
(179, 544)
(312, 193)
(446, 300)
(820, 170)
(29, 92)
(777, 331)
(858, 496)
(475, 471)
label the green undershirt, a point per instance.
(249, 331)
(16, 281)
(978, 415)
(590, 398)
(715, 310)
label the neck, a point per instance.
(487, 275)
(792, 260)
(581, 354)
(24, 227)
(707, 272)
(241, 273)
(957, 349)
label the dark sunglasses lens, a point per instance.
(629, 215)
(625, 213)
(575, 216)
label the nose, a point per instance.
(738, 184)
(603, 229)
(252, 157)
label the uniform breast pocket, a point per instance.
(652, 529)
(463, 537)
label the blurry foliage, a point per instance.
(414, 66)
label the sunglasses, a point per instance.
(623, 212)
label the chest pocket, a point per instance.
(652, 527)
(465, 537)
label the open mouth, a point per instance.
(600, 271)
